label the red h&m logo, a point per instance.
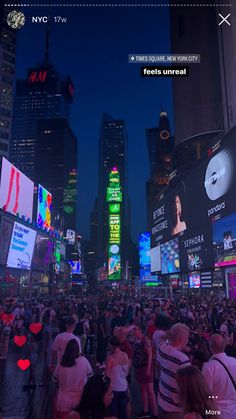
(38, 76)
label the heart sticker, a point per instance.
(23, 364)
(35, 327)
(19, 340)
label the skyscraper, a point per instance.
(197, 100)
(56, 169)
(227, 49)
(7, 74)
(112, 154)
(160, 145)
(44, 94)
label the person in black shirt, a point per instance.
(116, 321)
(101, 339)
(96, 399)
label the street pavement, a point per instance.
(17, 403)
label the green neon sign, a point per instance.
(114, 197)
(114, 208)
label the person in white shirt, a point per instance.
(71, 375)
(171, 358)
(162, 324)
(61, 340)
(117, 369)
(221, 386)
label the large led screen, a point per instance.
(156, 259)
(144, 249)
(44, 208)
(198, 209)
(70, 236)
(170, 263)
(16, 191)
(5, 237)
(224, 241)
(43, 252)
(75, 267)
(194, 280)
(21, 247)
(59, 255)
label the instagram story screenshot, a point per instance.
(118, 209)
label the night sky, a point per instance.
(93, 47)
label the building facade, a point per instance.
(56, 169)
(7, 77)
(44, 94)
(112, 154)
(160, 145)
(227, 53)
(197, 100)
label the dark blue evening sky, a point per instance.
(93, 47)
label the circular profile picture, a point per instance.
(15, 19)
(219, 175)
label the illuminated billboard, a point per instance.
(198, 212)
(224, 241)
(43, 252)
(114, 227)
(170, 257)
(75, 267)
(59, 255)
(5, 237)
(44, 208)
(21, 247)
(194, 280)
(156, 259)
(145, 258)
(114, 193)
(144, 249)
(70, 236)
(16, 191)
(114, 197)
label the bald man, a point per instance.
(219, 381)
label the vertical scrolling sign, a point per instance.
(114, 199)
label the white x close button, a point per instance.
(224, 19)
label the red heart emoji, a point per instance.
(20, 340)
(35, 327)
(23, 364)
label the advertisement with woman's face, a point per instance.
(196, 242)
(184, 215)
(179, 208)
(200, 211)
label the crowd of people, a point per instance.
(178, 354)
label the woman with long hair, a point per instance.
(194, 393)
(71, 376)
(179, 223)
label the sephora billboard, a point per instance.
(198, 212)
